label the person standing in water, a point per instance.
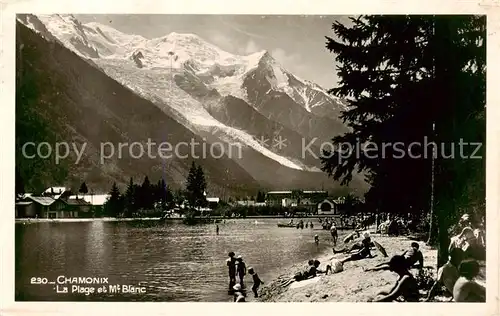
(333, 231)
(217, 229)
(231, 264)
(256, 281)
(241, 270)
(316, 239)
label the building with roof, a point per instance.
(213, 202)
(56, 192)
(47, 207)
(328, 207)
(92, 199)
(77, 208)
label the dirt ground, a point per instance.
(350, 285)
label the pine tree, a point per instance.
(19, 183)
(400, 75)
(147, 194)
(83, 188)
(196, 186)
(130, 198)
(202, 186)
(114, 205)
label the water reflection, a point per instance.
(175, 262)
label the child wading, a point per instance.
(241, 270)
(256, 281)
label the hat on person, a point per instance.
(250, 270)
(239, 257)
(465, 217)
(237, 287)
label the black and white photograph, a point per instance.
(250, 158)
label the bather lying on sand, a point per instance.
(413, 258)
(364, 252)
(312, 271)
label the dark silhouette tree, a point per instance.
(19, 183)
(114, 205)
(130, 198)
(400, 75)
(196, 186)
(83, 188)
(147, 194)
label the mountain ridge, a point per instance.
(209, 102)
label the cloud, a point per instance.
(250, 48)
(233, 46)
(290, 61)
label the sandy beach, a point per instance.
(350, 285)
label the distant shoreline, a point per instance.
(130, 219)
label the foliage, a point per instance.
(196, 186)
(37, 95)
(83, 188)
(425, 279)
(400, 75)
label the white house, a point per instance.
(327, 207)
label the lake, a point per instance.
(172, 261)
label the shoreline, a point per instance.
(129, 219)
(350, 285)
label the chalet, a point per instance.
(330, 206)
(213, 202)
(77, 208)
(56, 192)
(279, 198)
(96, 201)
(245, 203)
(47, 207)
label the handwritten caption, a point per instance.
(87, 285)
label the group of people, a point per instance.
(237, 272)
(457, 275)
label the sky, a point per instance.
(296, 42)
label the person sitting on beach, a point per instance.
(414, 257)
(468, 242)
(318, 271)
(239, 297)
(447, 275)
(411, 256)
(311, 272)
(406, 286)
(351, 236)
(256, 281)
(465, 288)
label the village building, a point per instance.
(213, 202)
(330, 206)
(277, 198)
(57, 202)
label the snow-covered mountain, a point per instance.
(206, 89)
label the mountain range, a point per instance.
(96, 84)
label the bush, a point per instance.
(425, 279)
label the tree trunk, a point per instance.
(433, 229)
